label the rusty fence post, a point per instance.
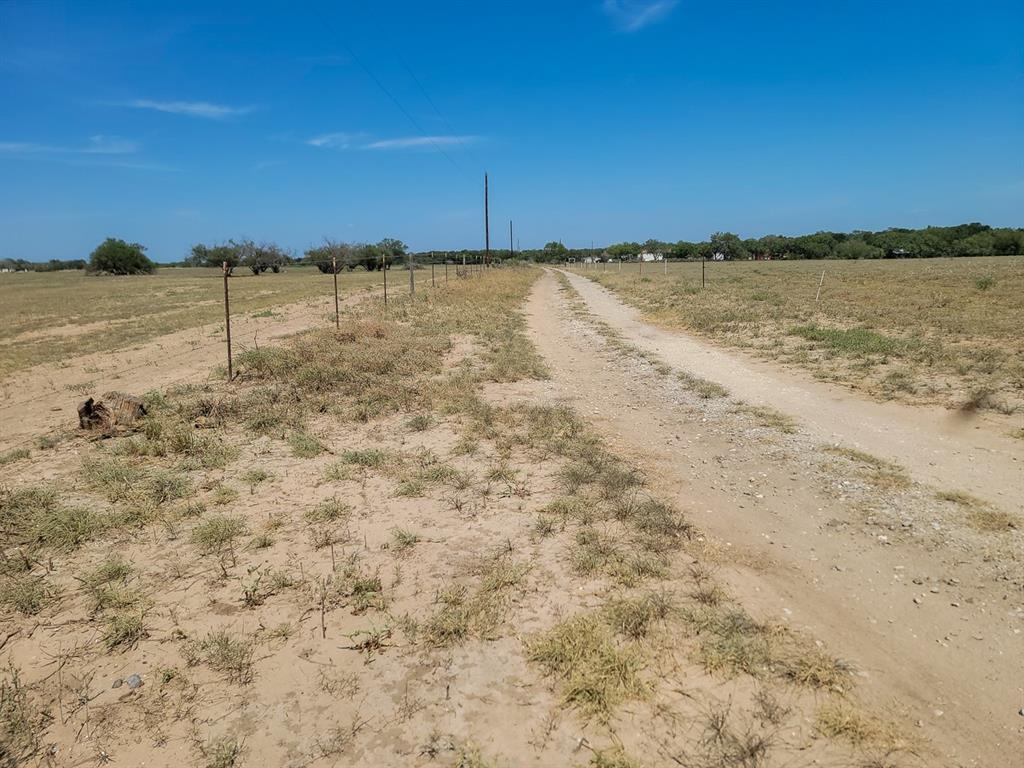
(334, 269)
(227, 317)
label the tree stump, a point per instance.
(116, 410)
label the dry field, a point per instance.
(941, 331)
(377, 547)
(51, 316)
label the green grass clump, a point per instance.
(27, 595)
(220, 651)
(16, 454)
(34, 517)
(124, 628)
(596, 674)
(402, 540)
(327, 512)
(217, 532)
(852, 341)
(632, 617)
(369, 457)
(304, 445)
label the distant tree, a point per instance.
(391, 250)
(624, 250)
(330, 253)
(262, 257)
(215, 255)
(856, 248)
(1008, 242)
(116, 257)
(728, 245)
(555, 250)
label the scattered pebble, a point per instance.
(134, 681)
(117, 683)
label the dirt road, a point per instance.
(934, 628)
(939, 447)
(44, 398)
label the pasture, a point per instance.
(942, 331)
(50, 316)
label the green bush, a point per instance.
(116, 257)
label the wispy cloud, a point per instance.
(96, 145)
(333, 140)
(634, 15)
(202, 109)
(360, 141)
(414, 142)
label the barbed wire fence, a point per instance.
(470, 267)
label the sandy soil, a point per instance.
(926, 609)
(929, 612)
(948, 449)
(44, 398)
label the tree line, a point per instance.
(115, 256)
(930, 242)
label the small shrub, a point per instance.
(370, 457)
(221, 652)
(124, 629)
(16, 454)
(217, 532)
(305, 446)
(596, 674)
(327, 512)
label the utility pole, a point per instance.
(511, 250)
(487, 222)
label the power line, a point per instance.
(415, 123)
(437, 111)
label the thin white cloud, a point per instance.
(202, 109)
(413, 142)
(333, 140)
(110, 145)
(361, 141)
(634, 15)
(97, 145)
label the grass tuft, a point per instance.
(596, 674)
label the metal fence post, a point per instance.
(334, 269)
(227, 317)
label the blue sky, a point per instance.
(604, 120)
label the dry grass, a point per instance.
(879, 472)
(476, 612)
(134, 309)
(981, 516)
(769, 417)
(924, 320)
(231, 655)
(22, 723)
(595, 674)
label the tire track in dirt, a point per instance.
(793, 552)
(948, 450)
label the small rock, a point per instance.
(134, 681)
(117, 683)
(934, 590)
(918, 600)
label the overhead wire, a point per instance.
(387, 92)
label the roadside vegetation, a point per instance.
(445, 537)
(939, 331)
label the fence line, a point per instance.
(227, 272)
